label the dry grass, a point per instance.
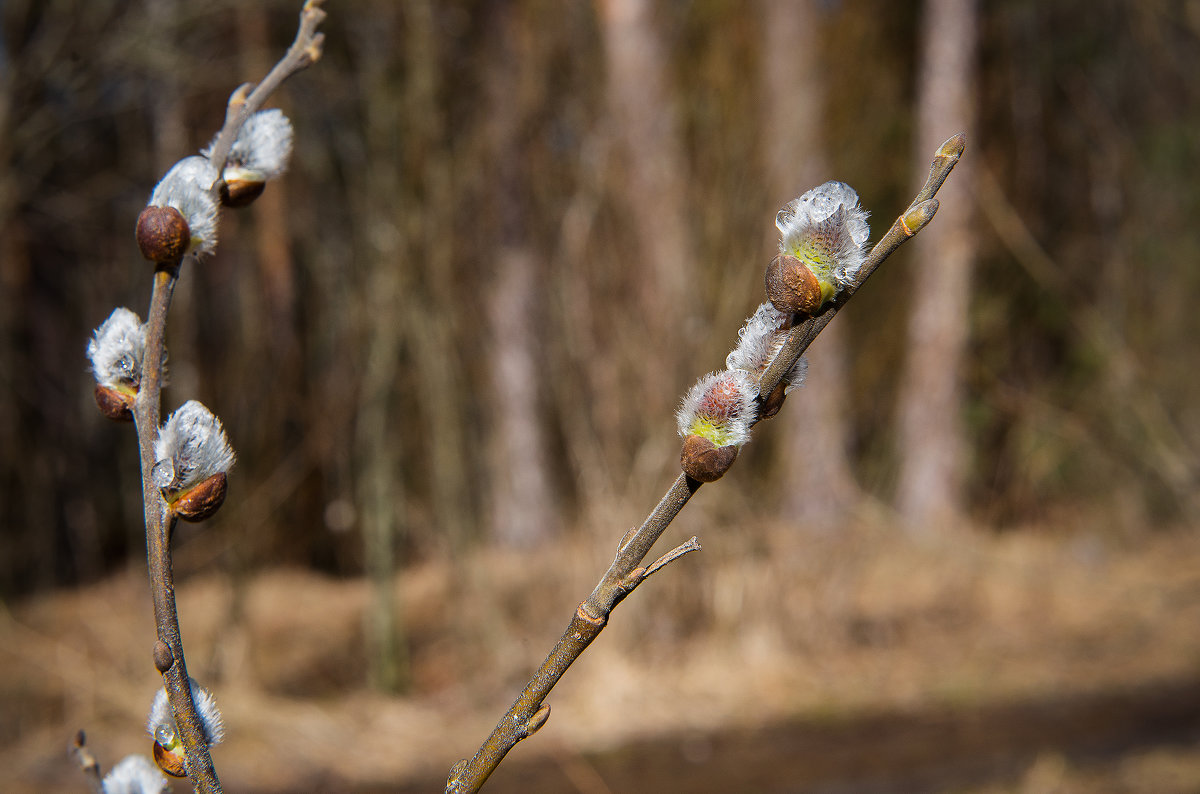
(759, 627)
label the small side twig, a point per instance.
(87, 762)
(528, 712)
(160, 521)
(674, 554)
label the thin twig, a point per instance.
(160, 521)
(87, 762)
(692, 544)
(528, 712)
(248, 98)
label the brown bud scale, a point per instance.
(773, 401)
(163, 234)
(791, 286)
(114, 403)
(240, 192)
(704, 461)
(203, 500)
(170, 761)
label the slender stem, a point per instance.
(528, 712)
(248, 98)
(168, 652)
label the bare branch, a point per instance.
(624, 574)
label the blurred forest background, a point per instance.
(515, 232)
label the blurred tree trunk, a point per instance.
(380, 487)
(272, 245)
(521, 512)
(430, 214)
(171, 141)
(15, 272)
(379, 452)
(933, 451)
(819, 486)
(641, 106)
(170, 131)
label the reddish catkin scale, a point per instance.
(791, 286)
(163, 234)
(202, 501)
(115, 404)
(704, 461)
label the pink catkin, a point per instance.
(723, 400)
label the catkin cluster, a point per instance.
(823, 235)
(191, 451)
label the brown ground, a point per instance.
(1022, 662)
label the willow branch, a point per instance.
(249, 97)
(528, 712)
(168, 650)
(169, 657)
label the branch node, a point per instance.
(315, 48)
(535, 723)
(632, 580)
(454, 781)
(584, 613)
(239, 97)
(625, 540)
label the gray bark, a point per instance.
(933, 450)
